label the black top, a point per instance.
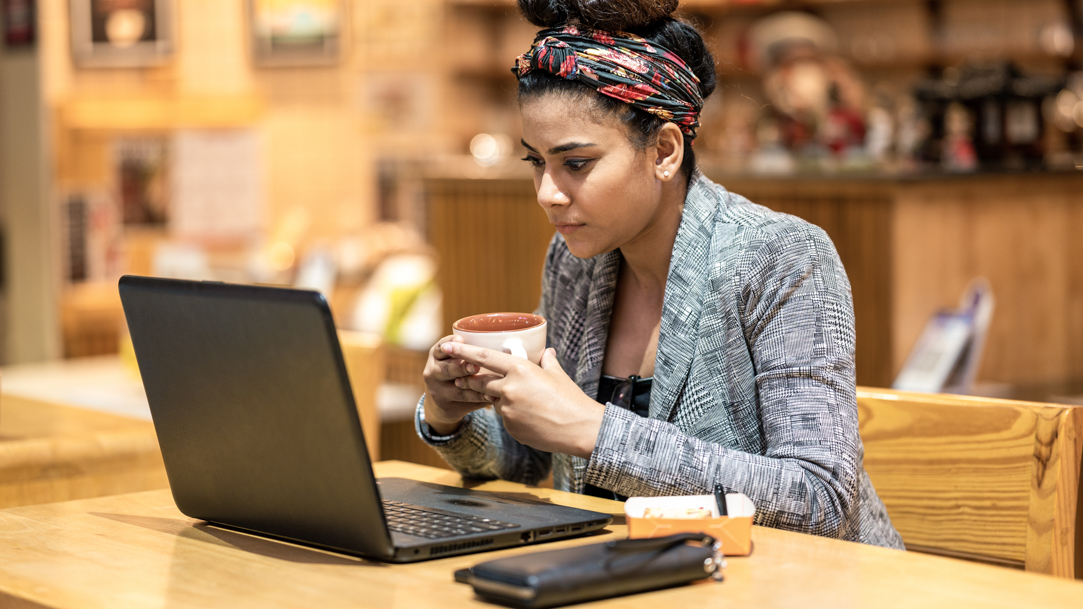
(637, 398)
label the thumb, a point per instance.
(549, 360)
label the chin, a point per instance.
(585, 250)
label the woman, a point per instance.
(696, 339)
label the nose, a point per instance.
(549, 193)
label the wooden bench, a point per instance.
(976, 478)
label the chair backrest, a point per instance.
(978, 478)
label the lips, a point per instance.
(567, 229)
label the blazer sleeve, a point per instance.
(482, 447)
(797, 318)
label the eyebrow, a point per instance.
(560, 148)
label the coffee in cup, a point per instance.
(520, 334)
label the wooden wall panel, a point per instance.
(491, 237)
(1019, 233)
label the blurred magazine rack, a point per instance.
(946, 356)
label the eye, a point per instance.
(534, 161)
(577, 164)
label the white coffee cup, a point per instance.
(520, 334)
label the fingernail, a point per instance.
(459, 383)
(446, 348)
(471, 368)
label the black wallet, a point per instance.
(600, 570)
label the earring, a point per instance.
(665, 174)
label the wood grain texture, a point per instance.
(50, 452)
(136, 551)
(491, 239)
(994, 480)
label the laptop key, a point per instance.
(415, 520)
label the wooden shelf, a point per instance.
(148, 113)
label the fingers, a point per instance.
(498, 362)
(486, 385)
(451, 369)
(438, 353)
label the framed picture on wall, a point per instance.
(121, 33)
(296, 32)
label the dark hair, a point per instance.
(649, 19)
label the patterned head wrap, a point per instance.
(622, 66)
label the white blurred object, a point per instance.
(317, 271)
(488, 150)
(180, 261)
(401, 302)
(1056, 39)
(878, 137)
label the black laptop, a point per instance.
(259, 431)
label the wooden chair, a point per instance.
(984, 479)
(364, 357)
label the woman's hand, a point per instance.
(445, 403)
(542, 407)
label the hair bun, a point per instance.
(608, 15)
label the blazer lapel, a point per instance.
(683, 300)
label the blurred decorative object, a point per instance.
(997, 105)
(771, 157)
(19, 23)
(773, 38)
(215, 184)
(398, 101)
(297, 32)
(488, 150)
(401, 302)
(815, 95)
(75, 222)
(141, 183)
(121, 33)
(92, 237)
(957, 152)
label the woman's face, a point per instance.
(599, 191)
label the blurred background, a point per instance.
(369, 149)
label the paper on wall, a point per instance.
(216, 187)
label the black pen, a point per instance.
(720, 499)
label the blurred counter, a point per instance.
(910, 245)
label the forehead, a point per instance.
(552, 117)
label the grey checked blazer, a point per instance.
(754, 383)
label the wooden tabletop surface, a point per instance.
(137, 550)
(51, 452)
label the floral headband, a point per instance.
(622, 66)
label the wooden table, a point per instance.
(138, 551)
(50, 452)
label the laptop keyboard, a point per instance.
(423, 522)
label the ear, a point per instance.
(669, 152)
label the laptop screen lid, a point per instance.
(253, 410)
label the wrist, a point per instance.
(588, 429)
(439, 425)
